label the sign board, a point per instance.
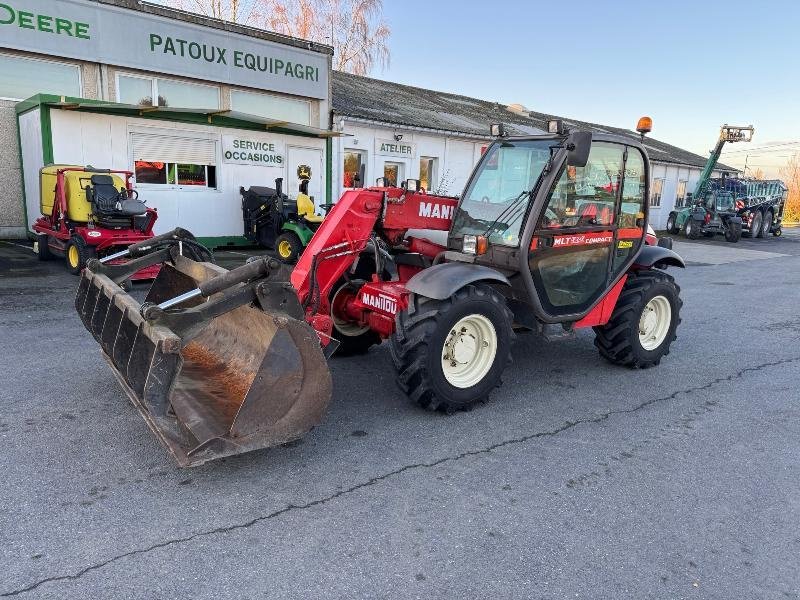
(87, 30)
(242, 150)
(394, 148)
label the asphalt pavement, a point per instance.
(577, 479)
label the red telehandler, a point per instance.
(549, 236)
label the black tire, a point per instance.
(618, 341)
(83, 252)
(766, 226)
(733, 232)
(290, 241)
(44, 249)
(671, 224)
(755, 225)
(422, 331)
(691, 228)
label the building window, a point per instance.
(272, 107)
(353, 174)
(133, 89)
(174, 161)
(655, 193)
(393, 172)
(680, 196)
(21, 78)
(427, 172)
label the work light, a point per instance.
(497, 130)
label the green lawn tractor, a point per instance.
(275, 221)
(715, 213)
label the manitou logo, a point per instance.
(582, 240)
(381, 302)
(435, 211)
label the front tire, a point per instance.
(451, 353)
(288, 247)
(78, 254)
(671, 224)
(643, 324)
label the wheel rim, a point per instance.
(74, 257)
(284, 249)
(337, 306)
(469, 351)
(654, 323)
(670, 224)
(689, 228)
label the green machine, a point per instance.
(711, 211)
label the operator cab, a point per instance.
(565, 213)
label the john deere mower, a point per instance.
(273, 220)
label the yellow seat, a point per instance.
(305, 208)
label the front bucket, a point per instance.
(249, 379)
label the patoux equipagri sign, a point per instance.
(85, 30)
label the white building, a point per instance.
(401, 132)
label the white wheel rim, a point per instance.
(469, 351)
(654, 323)
(346, 327)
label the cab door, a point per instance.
(586, 235)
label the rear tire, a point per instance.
(671, 224)
(766, 225)
(755, 225)
(733, 232)
(288, 247)
(644, 321)
(44, 249)
(78, 254)
(451, 353)
(691, 229)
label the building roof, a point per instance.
(390, 103)
(198, 19)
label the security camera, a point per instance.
(398, 137)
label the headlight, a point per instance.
(470, 244)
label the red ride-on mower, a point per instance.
(91, 213)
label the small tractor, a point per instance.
(90, 213)
(711, 210)
(548, 237)
(273, 220)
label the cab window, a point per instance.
(586, 196)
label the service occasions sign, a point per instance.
(91, 31)
(241, 150)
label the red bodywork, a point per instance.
(105, 240)
(344, 235)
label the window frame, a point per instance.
(177, 186)
(153, 79)
(433, 161)
(234, 91)
(651, 200)
(680, 199)
(401, 166)
(44, 60)
(363, 162)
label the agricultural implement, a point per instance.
(548, 237)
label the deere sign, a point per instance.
(94, 32)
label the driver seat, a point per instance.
(108, 200)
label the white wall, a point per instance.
(672, 174)
(30, 136)
(456, 156)
(104, 142)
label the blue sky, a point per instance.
(691, 66)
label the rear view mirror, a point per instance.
(578, 144)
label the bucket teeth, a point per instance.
(244, 380)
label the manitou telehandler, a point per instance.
(548, 236)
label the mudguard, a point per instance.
(443, 280)
(658, 257)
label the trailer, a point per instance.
(760, 203)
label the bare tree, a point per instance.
(758, 174)
(791, 177)
(355, 28)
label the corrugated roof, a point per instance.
(398, 104)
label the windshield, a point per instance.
(496, 200)
(724, 201)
